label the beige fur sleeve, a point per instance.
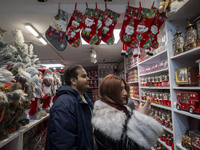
(143, 129)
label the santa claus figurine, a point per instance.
(48, 85)
(37, 92)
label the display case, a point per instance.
(151, 74)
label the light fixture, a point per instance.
(42, 41)
(52, 65)
(32, 29)
(93, 57)
(116, 35)
(93, 54)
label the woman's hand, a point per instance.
(144, 108)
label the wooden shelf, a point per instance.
(153, 57)
(188, 54)
(32, 124)
(154, 72)
(134, 82)
(161, 106)
(22, 130)
(167, 129)
(189, 10)
(180, 146)
(9, 139)
(187, 88)
(132, 67)
(157, 88)
(197, 116)
(165, 145)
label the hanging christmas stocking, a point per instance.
(99, 26)
(152, 35)
(109, 22)
(131, 20)
(90, 24)
(147, 19)
(160, 19)
(74, 26)
(55, 34)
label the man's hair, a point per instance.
(110, 87)
(71, 72)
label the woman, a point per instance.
(117, 128)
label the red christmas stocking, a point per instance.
(157, 24)
(74, 27)
(99, 26)
(131, 20)
(89, 27)
(109, 22)
(147, 19)
(152, 36)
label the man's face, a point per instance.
(82, 81)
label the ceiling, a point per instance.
(14, 14)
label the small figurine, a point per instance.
(160, 98)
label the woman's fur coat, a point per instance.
(142, 129)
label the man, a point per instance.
(70, 116)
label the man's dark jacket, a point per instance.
(70, 125)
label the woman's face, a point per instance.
(124, 95)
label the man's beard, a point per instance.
(81, 88)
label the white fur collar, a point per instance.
(108, 120)
(142, 129)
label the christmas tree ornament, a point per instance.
(90, 25)
(74, 26)
(56, 33)
(109, 22)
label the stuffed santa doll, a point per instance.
(48, 86)
(37, 92)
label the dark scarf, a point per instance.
(118, 107)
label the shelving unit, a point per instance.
(163, 143)
(180, 118)
(15, 140)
